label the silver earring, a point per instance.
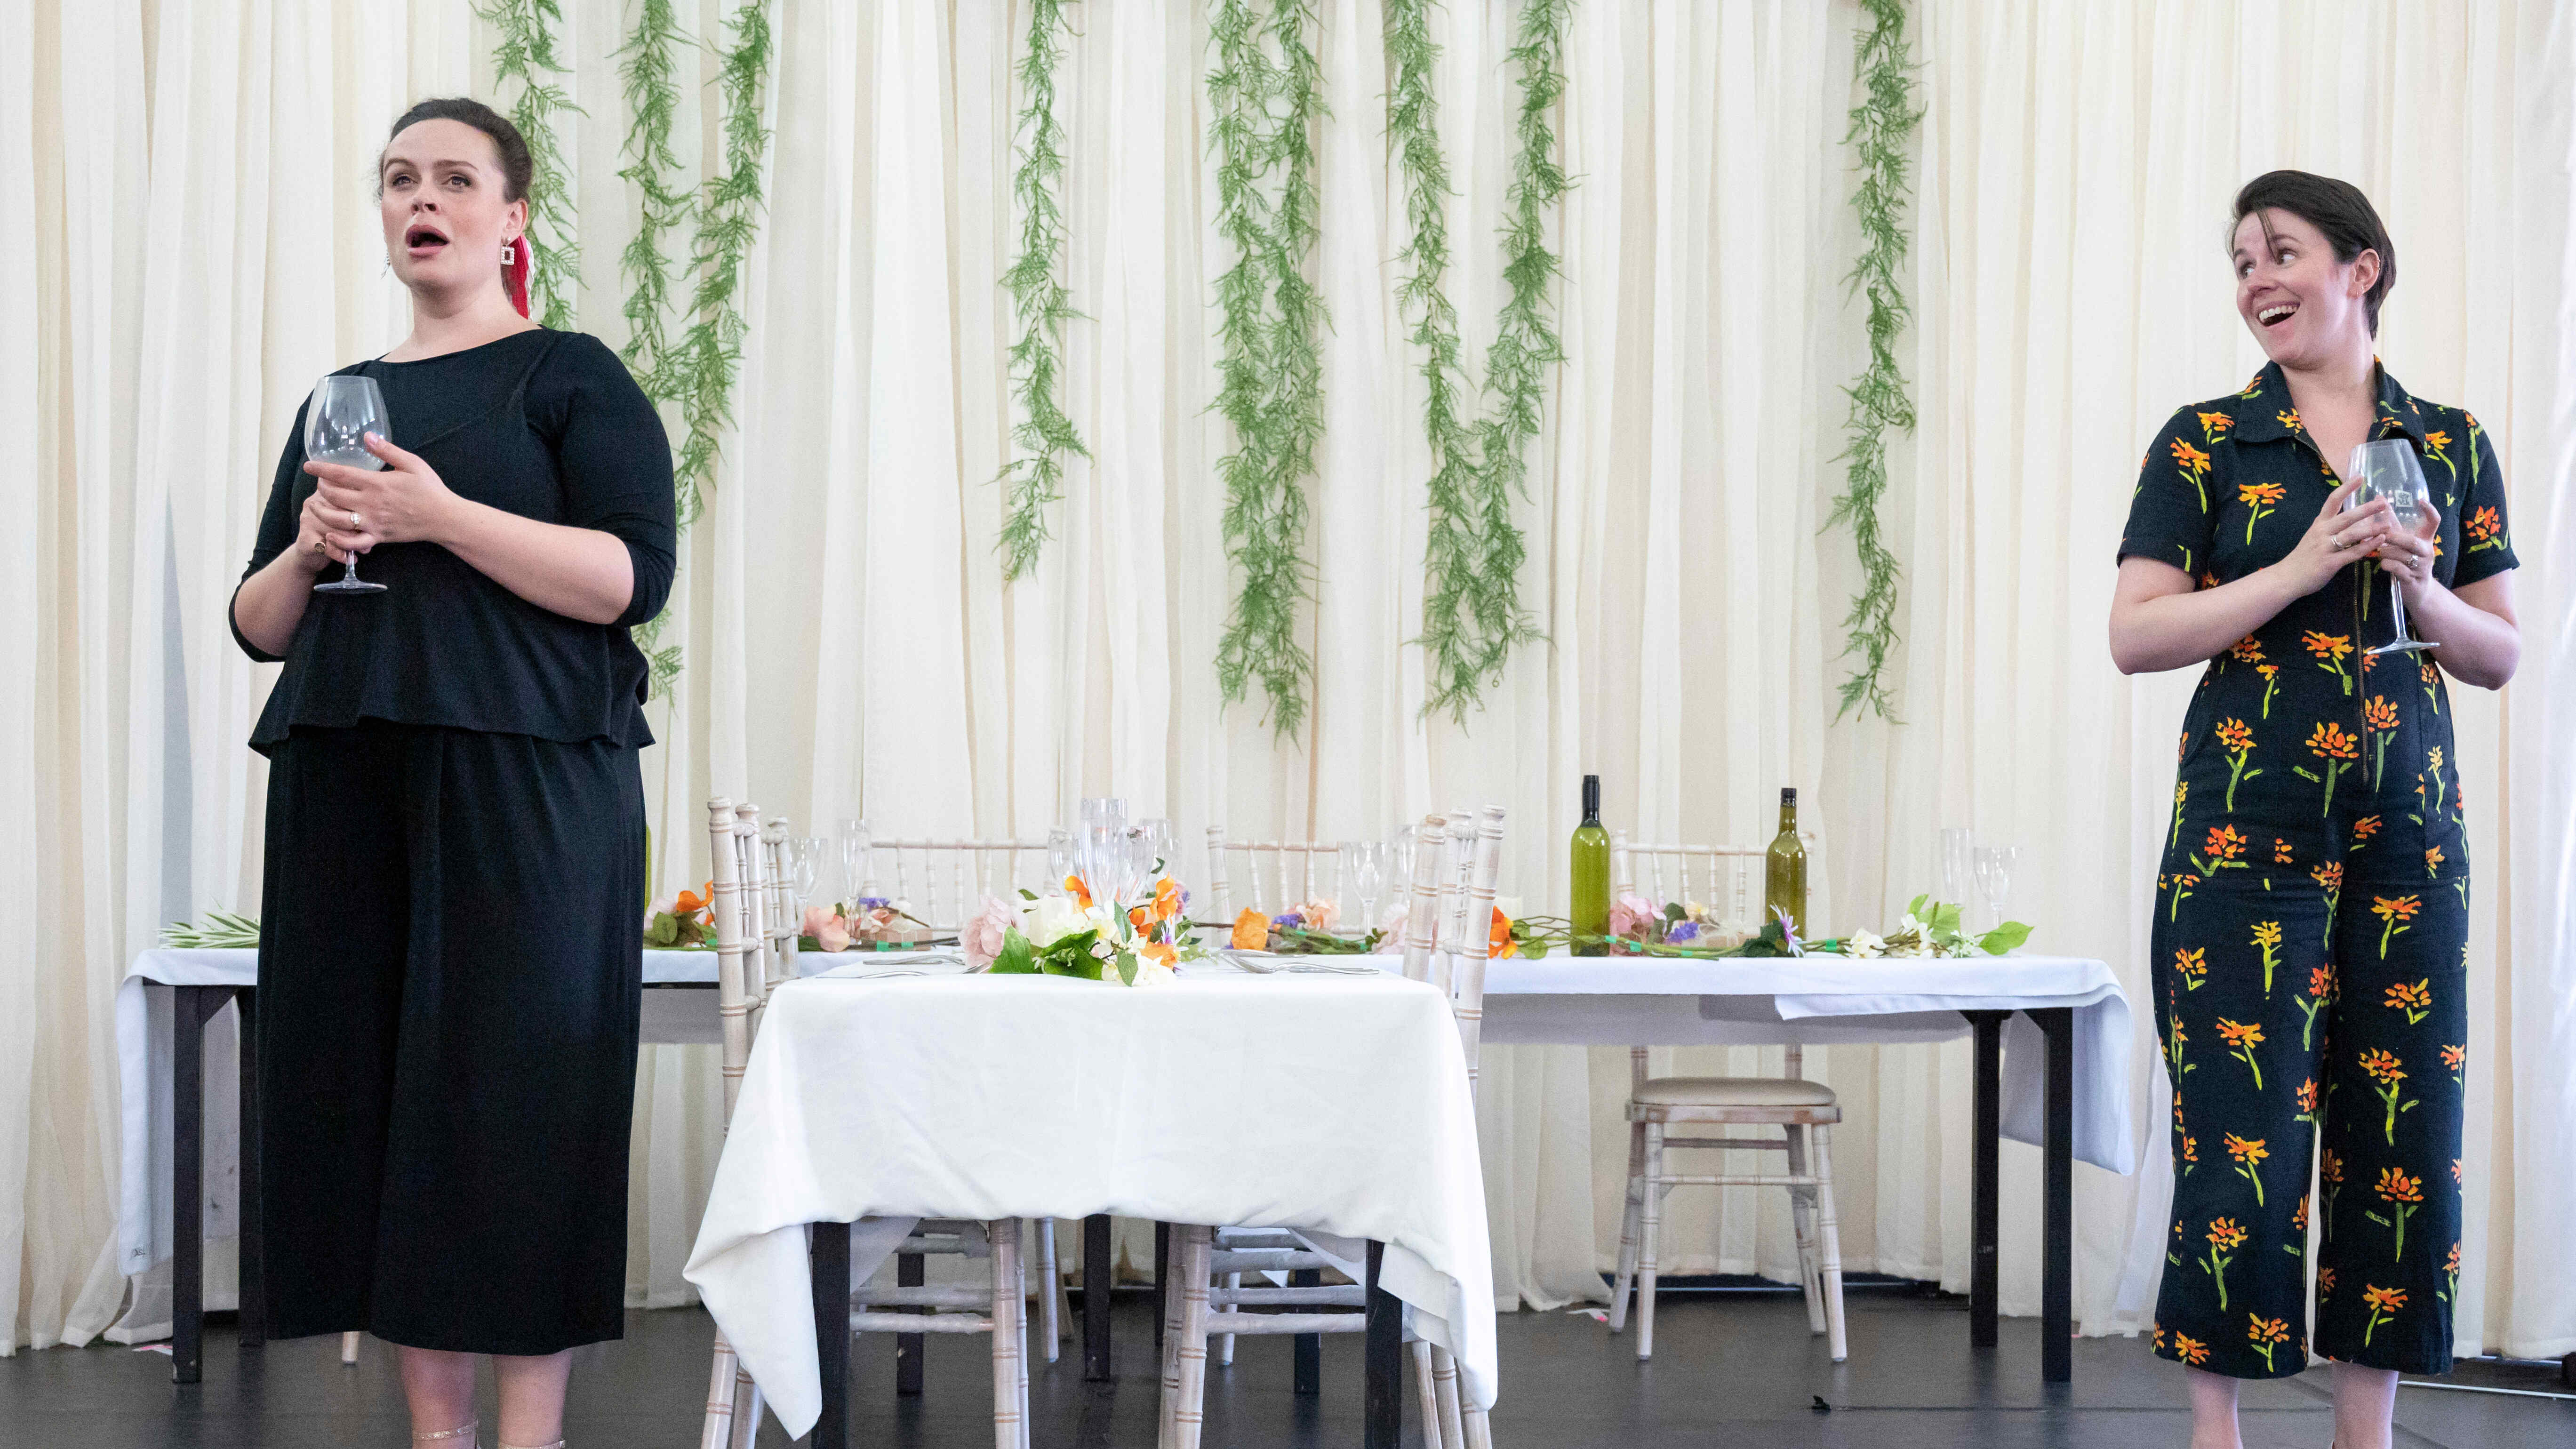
(509, 253)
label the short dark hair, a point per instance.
(518, 168)
(2335, 208)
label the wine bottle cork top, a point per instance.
(1789, 795)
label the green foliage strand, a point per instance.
(1265, 103)
(1044, 304)
(648, 70)
(709, 353)
(1881, 125)
(526, 55)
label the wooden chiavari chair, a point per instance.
(1804, 1112)
(945, 881)
(1292, 877)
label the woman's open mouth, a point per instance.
(424, 240)
(2277, 313)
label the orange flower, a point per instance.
(2240, 1034)
(2382, 1065)
(2383, 1300)
(2191, 1149)
(2482, 525)
(2224, 1234)
(2280, 851)
(2379, 714)
(2364, 828)
(2288, 418)
(2329, 649)
(2321, 982)
(1498, 939)
(1158, 951)
(2244, 1151)
(2451, 1264)
(1081, 893)
(2410, 998)
(2325, 1281)
(2235, 735)
(2248, 650)
(692, 902)
(2437, 441)
(1167, 899)
(2396, 1186)
(2299, 1219)
(2402, 908)
(2192, 459)
(2328, 875)
(2226, 842)
(2191, 963)
(1251, 931)
(2213, 424)
(2331, 743)
(2267, 1330)
(2455, 1057)
(2332, 1168)
(2190, 1349)
(2308, 1095)
(2457, 1164)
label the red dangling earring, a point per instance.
(514, 272)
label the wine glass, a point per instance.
(1160, 842)
(1994, 868)
(1100, 847)
(2387, 469)
(1060, 860)
(1957, 864)
(804, 864)
(1364, 865)
(342, 412)
(855, 841)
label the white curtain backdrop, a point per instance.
(186, 218)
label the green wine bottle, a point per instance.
(1591, 875)
(1784, 870)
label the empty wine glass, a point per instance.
(1159, 844)
(342, 412)
(804, 864)
(855, 842)
(1994, 869)
(1364, 866)
(2387, 469)
(1100, 847)
(1060, 860)
(1957, 864)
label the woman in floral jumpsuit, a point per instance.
(2311, 924)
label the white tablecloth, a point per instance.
(1332, 1102)
(143, 1080)
(1825, 1000)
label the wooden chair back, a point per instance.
(944, 882)
(1297, 870)
(735, 901)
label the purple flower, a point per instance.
(870, 903)
(1288, 922)
(1686, 931)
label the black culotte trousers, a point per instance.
(449, 981)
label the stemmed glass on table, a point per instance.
(1103, 855)
(2387, 469)
(1994, 868)
(1364, 866)
(855, 843)
(336, 423)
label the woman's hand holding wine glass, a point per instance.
(400, 500)
(2336, 538)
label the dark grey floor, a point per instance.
(1729, 1370)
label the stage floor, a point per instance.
(1730, 1369)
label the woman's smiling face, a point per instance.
(2300, 303)
(442, 200)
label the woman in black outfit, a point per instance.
(448, 971)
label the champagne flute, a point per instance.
(804, 864)
(854, 861)
(2387, 469)
(342, 412)
(1957, 863)
(1060, 860)
(1364, 861)
(1994, 868)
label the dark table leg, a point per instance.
(1309, 1346)
(908, 1346)
(1162, 1281)
(1383, 1426)
(829, 1246)
(2057, 1211)
(187, 1181)
(1099, 1362)
(254, 1256)
(1984, 1194)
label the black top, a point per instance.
(2301, 753)
(544, 424)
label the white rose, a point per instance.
(1149, 972)
(1864, 947)
(1050, 919)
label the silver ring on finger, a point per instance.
(355, 526)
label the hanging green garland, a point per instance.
(1270, 319)
(649, 71)
(1881, 125)
(709, 354)
(1043, 435)
(525, 53)
(1471, 611)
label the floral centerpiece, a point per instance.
(1639, 927)
(682, 922)
(1139, 943)
(1308, 929)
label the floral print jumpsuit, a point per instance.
(2311, 927)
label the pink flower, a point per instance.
(1321, 914)
(981, 938)
(1394, 917)
(1629, 915)
(825, 926)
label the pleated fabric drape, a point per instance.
(185, 214)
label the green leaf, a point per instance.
(1027, 895)
(1126, 968)
(1914, 907)
(2005, 937)
(662, 931)
(1673, 911)
(1016, 957)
